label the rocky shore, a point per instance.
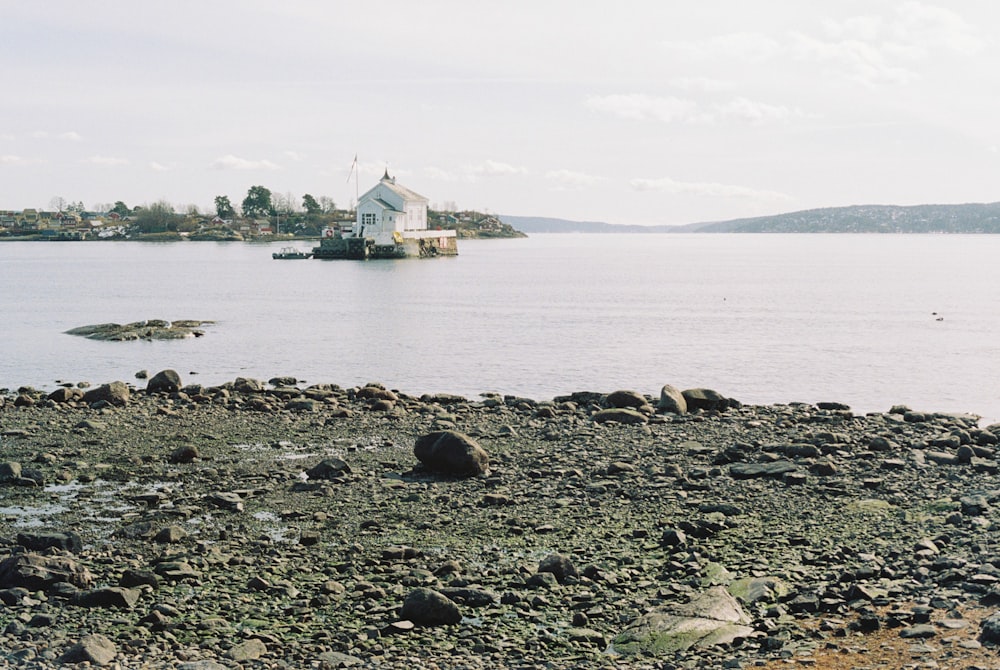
(285, 525)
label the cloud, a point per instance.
(707, 189)
(753, 47)
(10, 160)
(639, 106)
(441, 174)
(922, 26)
(676, 110)
(869, 49)
(491, 168)
(232, 162)
(105, 160)
(570, 179)
(67, 136)
(294, 156)
(159, 167)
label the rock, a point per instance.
(711, 618)
(9, 472)
(111, 596)
(558, 565)
(186, 454)
(989, 629)
(249, 650)
(426, 607)
(329, 469)
(115, 393)
(64, 395)
(95, 649)
(375, 393)
(705, 399)
(41, 541)
(672, 400)
(166, 381)
(621, 399)
(623, 415)
(248, 385)
(38, 573)
(753, 470)
(170, 535)
(451, 452)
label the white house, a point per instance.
(394, 219)
(390, 208)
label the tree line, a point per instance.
(306, 216)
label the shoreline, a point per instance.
(268, 525)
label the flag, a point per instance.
(354, 166)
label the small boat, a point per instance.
(290, 253)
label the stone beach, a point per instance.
(282, 524)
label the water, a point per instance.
(762, 318)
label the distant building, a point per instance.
(391, 222)
(388, 207)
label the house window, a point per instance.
(368, 219)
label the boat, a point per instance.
(291, 253)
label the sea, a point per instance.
(871, 321)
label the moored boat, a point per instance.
(291, 253)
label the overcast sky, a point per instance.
(634, 111)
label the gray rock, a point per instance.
(710, 619)
(249, 650)
(95, 649)
(753, 470)
(621, 399)
(38, 573)
(64, 395)
(620, 415)
(989, 629)
(248, 385)
(111, 596)
(672, 400)
(426, 607)
(560, 566)
(9, 472)
(451, 452)
(41, 541)
(329, 468)
(705, 399)
(166, 381)
(115, 393)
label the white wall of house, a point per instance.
(388, 208)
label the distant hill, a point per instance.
(541, 224)
(965, 218)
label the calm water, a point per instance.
(762, 318)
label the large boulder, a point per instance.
(426, 607)
(705, 399)
(710, 619)
(37, 573)
(167, 381)
(64, 395)
(452, 453)
(672, 400)
(115, 393)
(95, 649)
(620, 415)
(621, 399)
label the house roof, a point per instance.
(401, 191)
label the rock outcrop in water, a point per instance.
(154, 329)
(274, 525)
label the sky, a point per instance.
(631, 112)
